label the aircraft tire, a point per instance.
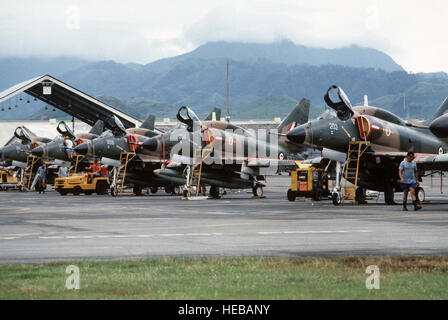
(420, 194)
(176, 190)
(113, 192)
(257, 191)
(153, 190)
(185, 193)
(169, 189)
(336, 198)
(291, 195)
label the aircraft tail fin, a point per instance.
(441, 110)
(97, 128)
(149, 123)
(299, 115)
(217, 112)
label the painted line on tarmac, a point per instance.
(196, 234)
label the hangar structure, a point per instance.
(70, 100)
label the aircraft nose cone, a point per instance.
(439, 126)
(82, 149)
(297, 135)
(150, 144)
(38, 152)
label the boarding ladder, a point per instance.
(195, 171)
(28, 172)
(120, 173)
(354, 153)
(74, 167)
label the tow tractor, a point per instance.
(8, 180)
(308, 181)
(79, 183)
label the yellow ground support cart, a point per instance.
(308, 181)
(79, 183)
(8, 180)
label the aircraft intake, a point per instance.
(82, 149)
(38, 152)
(150, 144)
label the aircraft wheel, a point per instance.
(291, 195)
(101, 188)
(137, 189)
(77, 191)
(169, 189)
(185, 193)
(214, 192)
(257, 191)
(153, 190)
(20, 188)
(176, 190)
(113, 192)
(420, 194)
(336, 197)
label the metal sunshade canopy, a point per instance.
(70, 100)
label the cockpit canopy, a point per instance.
(23, 135)
(189, 118)
(343, 107)
(65, 130)
(118, 128)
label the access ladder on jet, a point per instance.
(120, 173)
(354, 153)
(25, 183)
(195, 171)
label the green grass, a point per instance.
(230, 278)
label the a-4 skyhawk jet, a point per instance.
(388, 139)
(228, 156)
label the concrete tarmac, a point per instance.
(50, 227)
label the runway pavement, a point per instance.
(36, 228)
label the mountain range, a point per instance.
(266, 81)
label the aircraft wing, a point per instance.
(432, 162)
(266, 163)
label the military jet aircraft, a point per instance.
(56, 149)
(19, 148)
(389, 138)
(112, 144)
(236, 158)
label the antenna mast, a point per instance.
(228, 105)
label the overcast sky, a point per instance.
(413, 32)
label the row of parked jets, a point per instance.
(231, 157)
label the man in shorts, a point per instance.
(69, 148)
(409, 180)
(42, 177)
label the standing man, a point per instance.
(42, 177)
(409, 180)
(69, 148)
(63, 171)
